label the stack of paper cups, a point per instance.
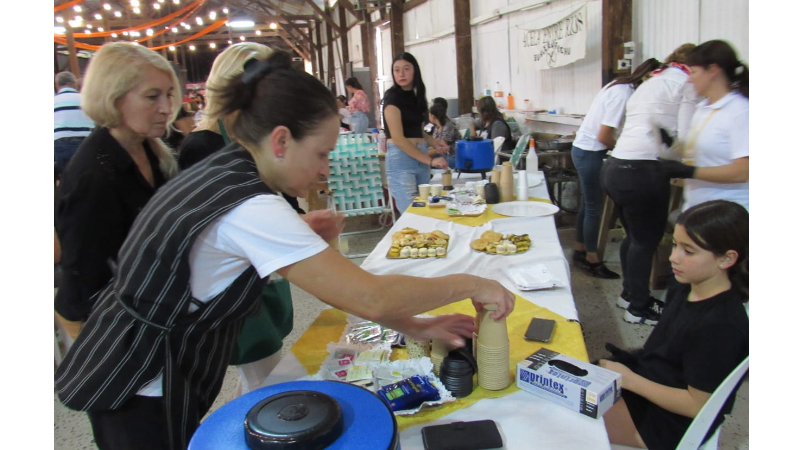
(493, 352)
(522, 185)
(439, 350)
(507, 183)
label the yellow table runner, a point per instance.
(311, 351)
(441, 214)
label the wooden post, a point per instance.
(370, 60)
(331, 72)
(312, 51)
(466, 96)
(617, 25)
(396, 24)
(343, 35)
(319, 51)
(73, 52)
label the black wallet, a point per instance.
(476, 435)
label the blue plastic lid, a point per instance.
(369, 424)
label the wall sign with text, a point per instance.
(555, 45)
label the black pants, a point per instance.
(641, 194)
(139, 424)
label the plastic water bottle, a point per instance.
(532, 161)
(382, 142)
(375, 135)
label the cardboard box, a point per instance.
(577, 385)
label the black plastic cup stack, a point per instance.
(456, 372)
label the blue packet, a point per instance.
(409, 393)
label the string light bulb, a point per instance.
(156, 6)
(192, 47)
(100, 29)
(77, 8)
(199, 20)
(98, 16)
(258, 32)
(137, 11)
(114, 35)
(177, 2)
(117, 14)
(89, 26)
(59, 19)
(149, 32)
(212, 15)
(225, 10)
(174, 29)
(273, 26)
(241, 38)
(212, 45)
(107, 7)
(172, 48)
(134, 2)
(230, 42)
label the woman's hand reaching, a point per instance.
(494, 293)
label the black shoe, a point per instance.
(579, 257)
(599, 270)
(647, 316)
(656, 306)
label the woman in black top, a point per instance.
(404, 109)
(130, 93)
(491, 123)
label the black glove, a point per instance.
(676, 169)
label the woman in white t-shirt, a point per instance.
(596, 136)
(157, 345)
(634, 180)
(717, 151)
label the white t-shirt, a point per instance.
(264, 231)
(664, 101)
(722, 138)
(345, 115)
(608, 108)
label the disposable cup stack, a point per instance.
(493, 352)
(439, 350)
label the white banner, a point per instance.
(557, 44)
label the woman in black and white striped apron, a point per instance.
(152, 357)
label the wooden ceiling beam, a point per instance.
(322, 14)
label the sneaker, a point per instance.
(656, 305)
(600, 270)
(623, 299)
(647, 316)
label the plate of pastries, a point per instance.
(494, 243)
(410, 243)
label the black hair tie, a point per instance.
(255, 69)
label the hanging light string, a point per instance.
(202, 32)
(67, 5)
(188, 10)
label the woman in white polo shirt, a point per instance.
(633, 178)
(596, 136)
(717, 151)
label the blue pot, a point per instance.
(474, 156)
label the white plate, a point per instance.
(525, 209)
(535, 179)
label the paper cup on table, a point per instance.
(447, 179)
(493, 367)
(424, 191)
(436, 189)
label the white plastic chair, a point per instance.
(498, 145)
(705, 418)
(702, 422)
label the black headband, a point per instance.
(255, 69)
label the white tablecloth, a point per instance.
(526, 422)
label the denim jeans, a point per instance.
(64, 148)
(640, 191)
(405, 173)
(358, 122)
(587, 225)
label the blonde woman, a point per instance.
(133, 96)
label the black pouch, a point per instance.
(475, 435)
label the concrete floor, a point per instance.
(594, 298)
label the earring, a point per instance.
(280, 158)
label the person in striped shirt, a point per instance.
(71, 124)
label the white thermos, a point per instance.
(522, 185)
